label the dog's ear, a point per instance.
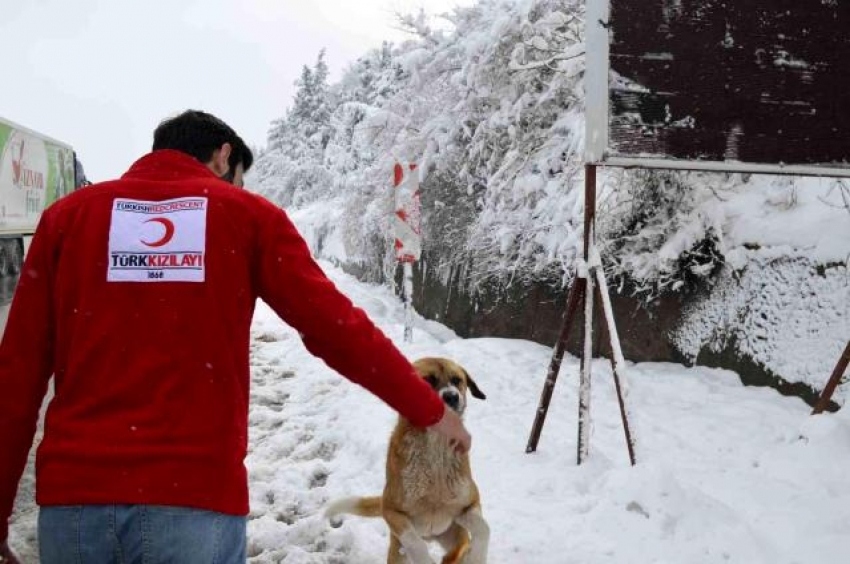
(473, 387)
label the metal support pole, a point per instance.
(617, 361)
(576, 294)
(407, 292)
(840, 368)
(583, 446)
(589, 283)
(589, 207)
(602, 334)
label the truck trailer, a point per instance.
(35, 171)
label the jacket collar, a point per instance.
(167, 164)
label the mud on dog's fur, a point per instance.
(429, 492)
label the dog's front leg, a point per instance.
(473, 521)
(414, 547)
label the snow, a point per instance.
(313, 223)
(779, 310)
(727, 474)
(803, 213)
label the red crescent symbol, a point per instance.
(169, 232)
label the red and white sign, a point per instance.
(407, 216)
(158, 241)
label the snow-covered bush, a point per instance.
(492, 113)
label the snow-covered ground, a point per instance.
(727, 474)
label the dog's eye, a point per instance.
(456, 381)
(432, 380)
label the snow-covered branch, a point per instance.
(514, 66)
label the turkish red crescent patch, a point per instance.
(157, 241)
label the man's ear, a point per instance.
(219, 163)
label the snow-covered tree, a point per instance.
(292, 170)
(490, 103)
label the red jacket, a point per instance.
(137, 295)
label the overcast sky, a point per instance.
(100, 74)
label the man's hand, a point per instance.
(451, 427)
(6, 556)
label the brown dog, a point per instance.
(429, 492)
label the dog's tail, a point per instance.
(362, 506)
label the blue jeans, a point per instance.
(139, 534)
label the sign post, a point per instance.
(834, 381)
(408, 234)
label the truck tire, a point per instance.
(16, 256)
(4, 260)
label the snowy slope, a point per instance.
(727, 474)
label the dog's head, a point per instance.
(449, 380)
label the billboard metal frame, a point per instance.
(590, 280)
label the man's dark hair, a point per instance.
(199, 134)
(241, 154)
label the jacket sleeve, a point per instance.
(331, 327)
(26, 364)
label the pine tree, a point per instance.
(302, 108)
(321, 110)
(292, 172)
(277, 135)
(281, 132)
(320, 73)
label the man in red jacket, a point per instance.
(137, 297)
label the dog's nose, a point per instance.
(451, 398)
